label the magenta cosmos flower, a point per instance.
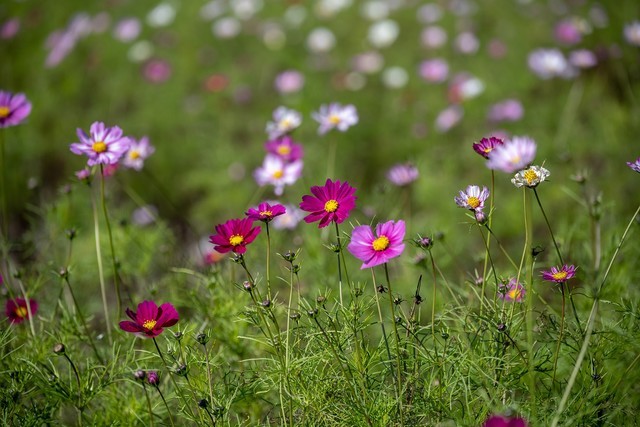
(515, 154)
(138, 152)
(635, 165)
(512, 291)
(16, 309)
(149, 320)
(103, 145)
(377, 249)
(559, 274)
(329, 203)
(335, 116)
(472, 198)
(487, 145)
(500, 421)
(285, 148)
(402, 174)
(14, 108)
(266, 212)
(234, 235)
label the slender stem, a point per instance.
(3, 188)
(82, 319)
(484, 274)
(504, 252)
(398, 353)
(555, 358)
(148, 404)
(165, 405)
(173, 380)
(287, 345)
(339, 266)
(526, 252)
(268, 260)
(96, 232)
(384, 333)
(116, 277)
(28, 302)
(206, 356)
(487, 243)
(75, 371)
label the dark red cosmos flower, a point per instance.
(17, 311)
(234, 235)
(149, 320)
(266, 212)
(329, 203)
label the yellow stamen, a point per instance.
(560, 275)
(334, 119)
(381, 243)
(515, 160)
(285, 124)
(236, 239)
(4, 112)
(134, 154)
(514, 294)
(284, 150)
(99, 147)
(473, 201)
(278, 174)
(267, 214)
(149, 324)
(331, 206)
(21, 312)
(530, 175)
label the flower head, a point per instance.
(103, 145)
(512, 291)
(335, 116)
(632, 33)
(285, 148)
(559, 274)
(284, 121)
(472, 198)
(289, 81)
(550, 63)
(515, 154)
(510, 110)
(487, 145)
(500, 421)
(530, 177)
(138, 152)
(278, 173)
(402, 174)
(329, 203)
(635, 165)
(377, 249)
(234, 235)
(149, 320)
(153, 378)
(266, 212)
(14, 108)
(17, 311)
(289, 220)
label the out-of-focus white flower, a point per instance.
(383, 33)
(226, 28)
(375, 10)
(162, 15)
(583, 58)
(127, 29)
(434, 70)
(429, 13)
(144, 215)
(632, 33)
(328, 8)
(246, 9)
(355, 81)
(273, 36)
(467, 43)
(140, 51)
(549, 63)
(321, 40)
(295, 15)
(212, 10)
(368, 62)
(433, 37)
(395, 77)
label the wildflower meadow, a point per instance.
(320, 213)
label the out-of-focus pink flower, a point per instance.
(14, 108)
(512, 291)
(464, 86)
(277, 172)
(138, 152)
(156, 70)
(289, 220)
(285, 148)
(127, 29)
(497, 48)
(515, 154)
(335, 116)
(509, 110)
(632, 33)
(550, 63)
(9, 29)
(635, 165)
(568, 32)
(433, 37)
(289, 81)
(402, 174)
(367, 62)
(284, 121)
(17, 310)
(467, 43)
(434, 70)
(448, 118)
(583, 58)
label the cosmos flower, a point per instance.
(377, 249)
(103, 145)
(448, 118)
(14, 108)
(568, 31)
(550, 63)
(234, 235)
(632, 33)
(285, 148)
(472, 198)
(284, 121)
(329, 203)
(530, 177)
(138, 152)
(16, 309)
(402, 174)
(583, 58)
(559, 274)
(289, 81)
(487, 145)
(335, 116)
(278, 173)
(149, 320)
(156, 70)
(509, 110)
(266, 212)
(434, 70)
(512, 291)
(289, 220)
(515, 154)
(635, 165)
(500, 421)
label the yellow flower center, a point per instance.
(21, 312)
(4, 112)
(285, 124)
(99, 147)
(278, 174)
(473, 201)
(236, 239)
(381, 243)
(267, 214)
(133, 154)
(331, 205)
(515, 160)
(530, 175)
(560, 275)
(514, 294)
(334, 119)
(284, 150)
(149, 324)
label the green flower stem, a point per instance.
(504, 252)
(487, 244)
(287, 344)
(266, 224)
(148, 405)
(82, 319)
(165, 405)
(339, 266)
(173, 380)
(555, 357)
(206, 356)
(398, 353)
(116, 277)
(526, 253)
(384, 332)
(96, 232)
(3, 188)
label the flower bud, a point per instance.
(247, 286)
(203, 403)
(59, 349)
(177, 335)
(139, 375)
(202, 338)
(153, 378)
(266, 303)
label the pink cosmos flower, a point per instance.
(289, 220)
(487, 145)
(266, 212)
(509, 110)
(104, 145)
(434, 70)
(289, 81)
(402, 174)
(284, 121)
(278, 173)
(234, 235)
(583, 58)
(379, 249)
(329, 203)
(14, 108)
(16, 309)
(285, 148)
(515, 154)
(500, 421)
(9, 29)
(559, 274)
(138, 152)
(149, 320)
(632, 33)
(513, 291)
(156, 70)
(635, 165)
(568, 32)
(335, 116)
(83, 174)
(448, 118)
(472, 198)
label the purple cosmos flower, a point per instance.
(278, 173)
(234, 235)
(487, 145)
(16, 309)
(329, 203)
(500, 421)
(284, 121)
(402, 174)
(632, 33)
(149, 320)
(335, 116)
(285, 148)
(289, 220)
(515, 154)
(583, 58)
(379, 249)
(14, 108)
(472, 198)
(434, 70)
(104, 145)
(559, 274)
(266, 212)
(550, 63)
(635, 165)
(83, 174)
(289, 81)
(153, 378)
(512, 291)
(9, 29)
(530, 177)
(448, 118)
(138, 152)
(127, 29)
(568, 32)
(510, 110)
